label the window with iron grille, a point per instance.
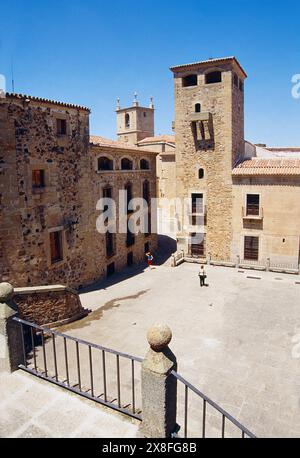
(56, 250)
(252, 204)
(251, 248)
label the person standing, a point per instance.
(149, 259)
(202, 276)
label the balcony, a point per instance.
(253, 212)
(202, 116)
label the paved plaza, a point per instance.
(235, 340)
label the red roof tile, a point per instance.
(268, 167)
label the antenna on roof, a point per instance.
(12, 77)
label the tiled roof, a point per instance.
(159, 139)
(108, 143)
(205, 62)
(268, 167)
(40, 99)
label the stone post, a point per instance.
(238, 260)
(268, 264)
(11, 350)
(208, 259)
(159, 386)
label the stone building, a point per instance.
(243, 198)
(49, 186)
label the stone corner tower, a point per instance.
(209, 127)
(135, 123)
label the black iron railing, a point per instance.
(90, 370)
(203, 421)
(110, 378)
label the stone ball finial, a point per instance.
(6, 292)
(159, 336)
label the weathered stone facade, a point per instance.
(49, 142)
(221, 119)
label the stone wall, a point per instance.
(67, 202)
(30, 141)
(49, 305)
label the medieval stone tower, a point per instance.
(209, 127)
(135, 123)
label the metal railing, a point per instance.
(87, 369)
(283, 266)
(253, 212)
(203, 425)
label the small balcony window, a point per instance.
(198, 108)
(252, 208)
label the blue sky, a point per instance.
(91, 52)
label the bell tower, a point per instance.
(209, 126)
(135, 123)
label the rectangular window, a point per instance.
(251, 248)
(252, 204)
(130, 237)
(130, 259)
(38, 178)
(56, 250)
(197, 203)
(197, 244)
(110, 249)
(61, 127)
